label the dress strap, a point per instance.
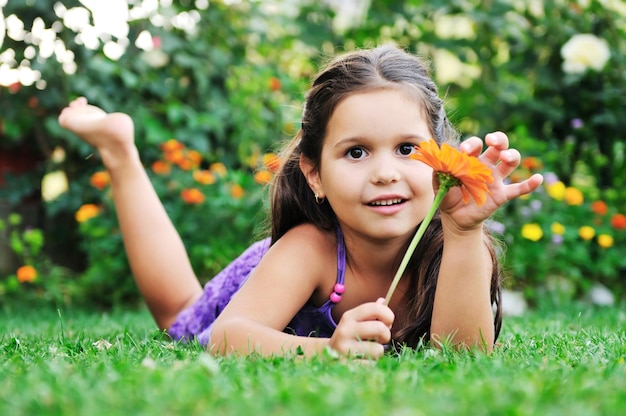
(339, 288)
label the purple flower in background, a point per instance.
(557, 239)
(535, 205)
(495, 227)
(577, 123)
(549, 178)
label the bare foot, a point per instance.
(95, 126)
(110, 134)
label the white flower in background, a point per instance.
(584, 51)
(454, 27)
(450, 69)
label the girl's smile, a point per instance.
(366, 173)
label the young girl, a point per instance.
(344, 206)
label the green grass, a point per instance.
(567, 361)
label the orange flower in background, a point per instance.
(452, 168)
(86, 212)
(274, 84)
(531, 163)
(26, 274)
(161, 168)
(176, 156)
(172, 145)
(573, 196)
(192, 196)
(262, 176)
(618, 221)
(271, 161)
(194, 157)
(185, 164)
(100, 180)
(599, 207)
(463, 170)
(236, 191)
(205, 177)
(218, 168)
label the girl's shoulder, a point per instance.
(313, 249)
(311, 237)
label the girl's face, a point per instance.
(376, 190)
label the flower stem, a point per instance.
(443, 189)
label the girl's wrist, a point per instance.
(451, 229)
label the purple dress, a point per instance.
(196, 322)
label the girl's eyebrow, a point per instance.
(348, 141)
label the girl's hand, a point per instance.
(502, 161)
(363, 331)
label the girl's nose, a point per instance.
(385, 172)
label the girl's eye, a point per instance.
(406, 149)
(355, 153)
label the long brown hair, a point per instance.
(292, 201)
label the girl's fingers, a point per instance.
(473, 146)
(525, 187)
(509, 161)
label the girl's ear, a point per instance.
(311, 173)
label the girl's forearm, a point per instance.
(462, 309)
(245, 337)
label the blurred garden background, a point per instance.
(215, 87)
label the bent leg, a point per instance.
(156, 254)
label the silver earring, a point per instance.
(318, 200)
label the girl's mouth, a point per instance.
(386, 202)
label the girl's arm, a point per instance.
(155, 252)
(285, 279)
(462, 307)
(462, 310)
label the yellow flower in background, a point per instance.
(532, 232)
(605, 241)
(586, 232)
(573, 196)
(86, 212)
(557, 228)
(556, 190)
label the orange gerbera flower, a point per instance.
(458, 168)
(453, 168)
